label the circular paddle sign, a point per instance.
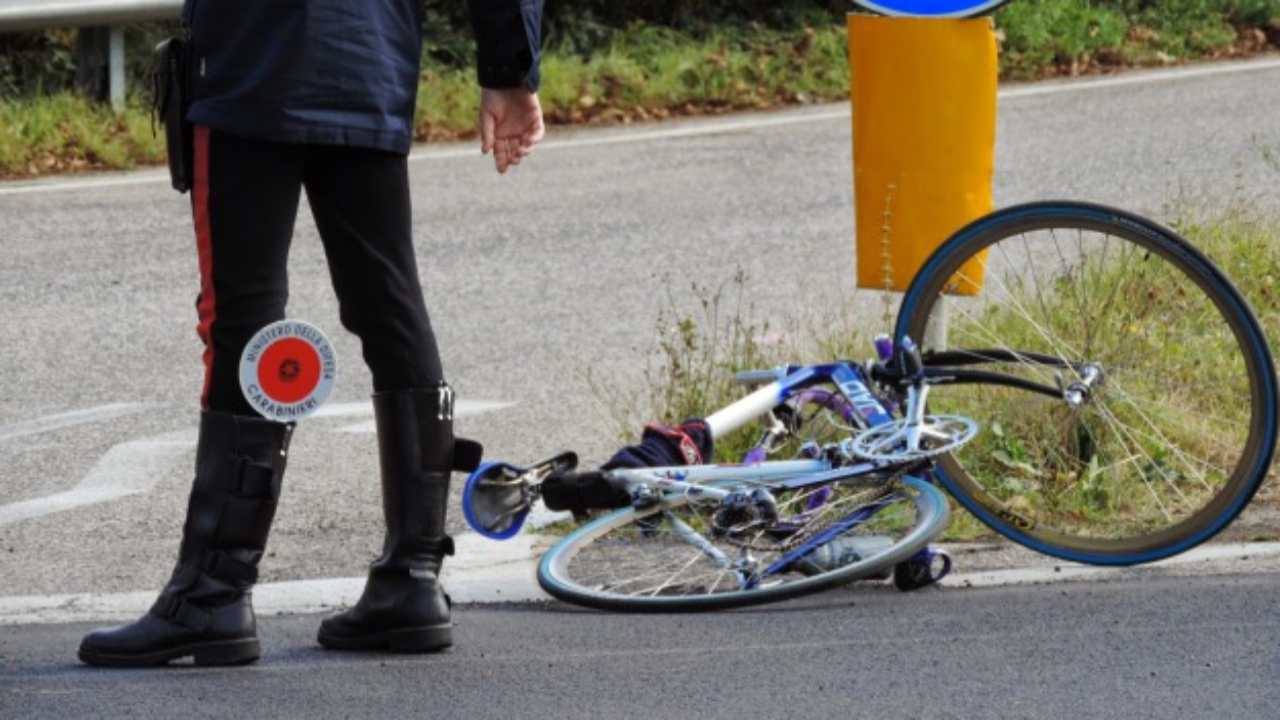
(931, 8)
(287, 370)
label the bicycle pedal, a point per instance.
(496, 500)
(498, 496)
(919, 571)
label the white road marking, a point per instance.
(482, 572)
(68, 419)
(350, 409)
(715, 127)
(1142, 78)
(149, 177)
(461, 409)
(127, 469)
(133, 468)
(540, 517)
(1064, 570)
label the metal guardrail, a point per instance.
(20, 15)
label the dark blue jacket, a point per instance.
(337, 72)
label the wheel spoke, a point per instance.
(657, 564)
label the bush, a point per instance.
(34, 62)
(1254, 13)
(1053, 32)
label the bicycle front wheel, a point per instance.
(1172, 421)
(669, 559)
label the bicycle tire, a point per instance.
(557, 578)
(1101, 523)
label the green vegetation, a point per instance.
(66, 133)
(699, 351)
(1069, 37)
(1247, 249)
(650, 72)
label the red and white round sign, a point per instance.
(287, 370)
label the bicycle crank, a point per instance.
(906, 440)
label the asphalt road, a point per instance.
(1168, 648)
(535, 280)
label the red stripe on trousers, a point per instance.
(206, 308)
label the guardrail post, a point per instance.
(100, 65)
(117, 64)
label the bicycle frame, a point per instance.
(940, 369)
(792, 474)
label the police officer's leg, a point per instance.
(360, 199)
(244, 202)
(244, 226)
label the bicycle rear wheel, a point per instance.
(1176, 434)
(664, 559)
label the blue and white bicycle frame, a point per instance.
(698, 480)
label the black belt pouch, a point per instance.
(172, 98)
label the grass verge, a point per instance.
(647, 72)
(66, 133)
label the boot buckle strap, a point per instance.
(466, 455)
(444, 402)
(286, 437)
(442, 545)
(224, 567)
(184, 613)
(256, 480)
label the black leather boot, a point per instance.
(205, 611)
(403, 608)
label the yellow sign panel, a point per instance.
(924, 132)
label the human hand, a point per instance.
(510, 125)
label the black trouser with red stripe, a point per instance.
(245, 200)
